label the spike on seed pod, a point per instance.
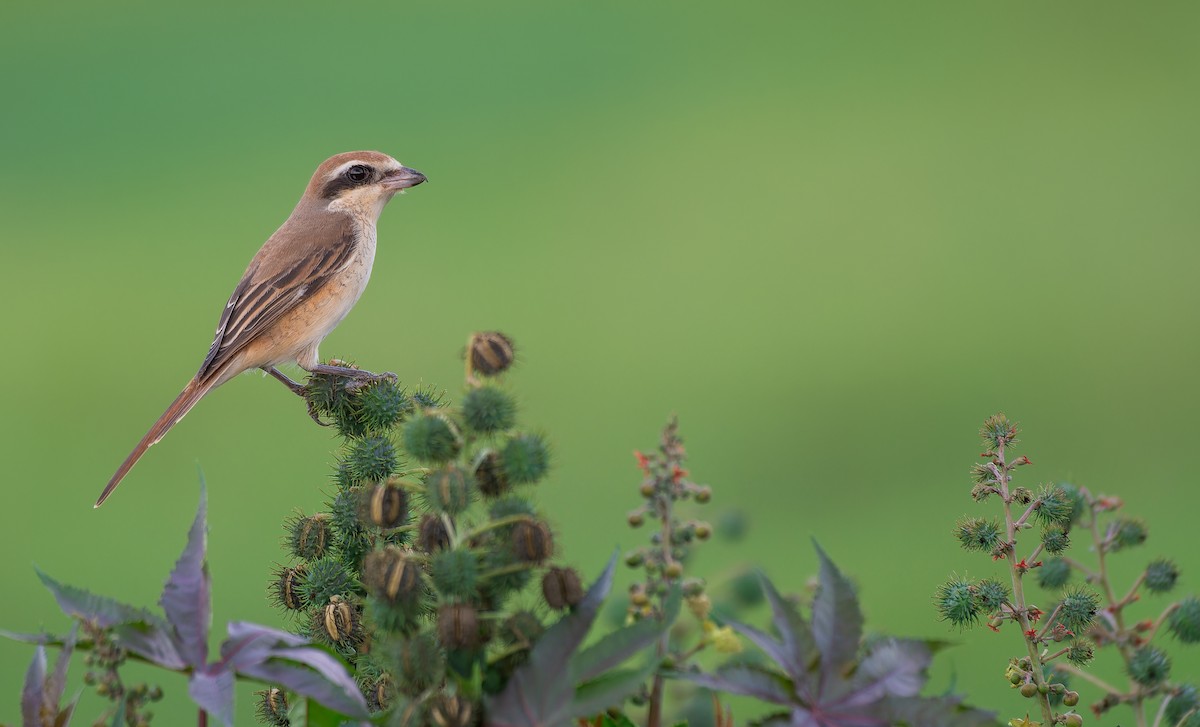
(384, 505)
(561, 588)
(432, 535)
(458, 626)
(532, 541)
(489, 475)
(309, 537)
(455, 710)
(285, 589)
(448, 490)
(324, 579)
(372, 459)
(390, 575)
(272, 707)
(490, 352)
(382, 404)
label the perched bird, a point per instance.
(300, 285)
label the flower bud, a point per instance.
(561, 588)
(1072, 720)
(703, 494)
(636, 519)
(490, 352)
(1028, 690)
(1070, 699)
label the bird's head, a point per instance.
(360, 182)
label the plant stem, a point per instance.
(1020, 612)
(202, 719)
(1088, 677)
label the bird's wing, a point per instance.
(274, 284)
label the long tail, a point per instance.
(174, 413)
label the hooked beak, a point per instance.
(402, 178)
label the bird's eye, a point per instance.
(358, 173)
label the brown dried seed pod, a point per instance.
(272, 706)
(340, 622)
(286, 590)
(490, 477)
(390, 575)
(490, 352)
(379, 693)
(448, 490)
(310, 536)
(384, 505)
(532, 541)
(458, 626)
(432, 535)
(561, 588)
(452, 711)
(522, 628)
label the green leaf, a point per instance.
(319, 715)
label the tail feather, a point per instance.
(174, 413)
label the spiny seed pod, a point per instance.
(379, 692)
(1076, 498)
(489, 475)
(1149, 666)
(286, 590)
(503, 578)
(458, 626)
(956, 602)
(309, 537)
(532, 541)
(978, 533)
(384, 505)
(1054, 507)
(509, 506)
(382, 404)
(419, 664)
(998, 431)
(1126, 533)
(991, 594)
(326, 579)
(431, 438)
(490, 352)
(1078, 609)
(487, 409)
(1055, 539)
(372, 459)
(455, 573)
(272, 707)
(1161, 575)
(525, 457)
(390, 575)
(522, 629)
(1184, 621)
(1054, 573)
(1023, 495)
(1185, 699)
(448, 490)
(432, 535)
(339, 623)
(452, 711)
(561, 588)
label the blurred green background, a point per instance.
(831, 236)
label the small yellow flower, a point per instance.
(699, 606)
(723, 638)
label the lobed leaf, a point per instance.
(837, 619)
(212, 689)
(621, 645)
(33, 689)
(187, 596)
(747, 680)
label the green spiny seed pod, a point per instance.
(428, 397)
(343, 478)
(490, 352)
(453, 710)
(382, 405)
(448, 490)
(981, 492)
(1161, 575)
(1078, 609)
(431, 437)
(998, 431)
(532, 541)
(1021, 495)
(522, 629)
(326, 579)
(372, 459)
(455, 573)
(1075, 496)
(1126, 533)
(1053, 507)
(383, 505)
(978, 534)
(525, 459)
(956, 602)
(432, 535)
(561, 588)
(458, 626)
(504, 577)
(285, 588)
(272, 707)
(991, 594)
(390, 575)
(1184, 621)
(309, 537)
(338, 623)
(1054, 573)
(1149, 666)
(487, 410)
(1080, 653)
(419, 664)
(489, 475)
(983, 473)
(1185, 699)
(1055, 539)
(509, 506)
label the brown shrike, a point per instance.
(300, 285)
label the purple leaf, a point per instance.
(212, 689)
(893, 667)
(32, 694)
(186, 598)
(799, 648)
(947, 711)
(537, 695)
(341, 695)
(56, 684)
(596, 696)
(619, 646)
(837, 620)
(747, 680)
(153, 642)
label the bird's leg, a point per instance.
(360, 378)
(296, 388)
